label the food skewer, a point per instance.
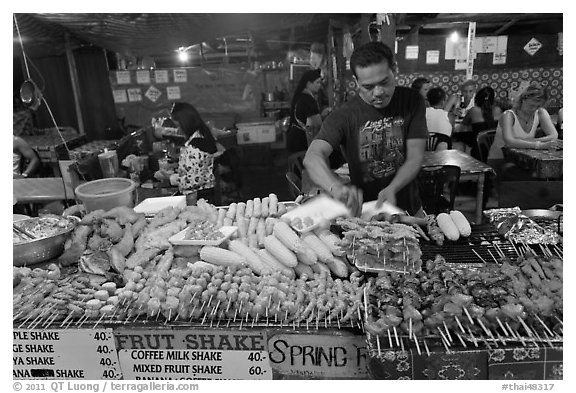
(417, 345)
(99, 320)
(502, 327)
(459, 324)
(543, 324)
(426, 347)
(478, 255)
(530, 334)
(461, 340)
(389, 338)
(447, 330)
(378, 344)
(493, 257)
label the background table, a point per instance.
(470, 169)
(41, 189)
(543, 164)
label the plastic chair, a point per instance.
(432, 182)
(435, 138)
(294, 184)
(484, 141)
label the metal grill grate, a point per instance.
(484, 240)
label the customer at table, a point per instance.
(462, 102)
(484, 115)
(383, 133)
(437, 119)
(517, 126)
(305, 117)
(22, 153)
(196, 163)
(422, 86)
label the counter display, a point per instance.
(273, 303)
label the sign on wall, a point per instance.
(532, 46)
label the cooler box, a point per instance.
(256, 132)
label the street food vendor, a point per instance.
(383, 133)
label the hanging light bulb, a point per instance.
(454, 36)
(182, 54)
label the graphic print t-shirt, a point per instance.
(374, 141)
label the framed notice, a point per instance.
(119, 96)
(412, 52)
(134, 95)
(143, 77)
(161, 76)
(123, 77)
(173, 93)
(432, 56)
(180, 76)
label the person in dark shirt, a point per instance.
(305, 117)
(383, 133)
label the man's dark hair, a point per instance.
(371, 53)
(435, 95)
(419, 82)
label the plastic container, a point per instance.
(109, 163)
(106, 193)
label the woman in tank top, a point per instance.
(517, 127)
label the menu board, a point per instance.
(193, 354)
(54, 354)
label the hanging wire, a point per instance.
(22, 46)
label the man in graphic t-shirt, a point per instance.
(382, 132)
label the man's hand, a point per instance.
(386, 195)
(351, 196)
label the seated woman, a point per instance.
(305, 119)
(196, 164)
(422, 85)
(437, 119)
(484, 115)
(23, 152)
(517, 128)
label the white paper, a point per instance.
(120, 96)
(173, 93)
(143, 77)
(180, 76)
(161, 76)
(532, 46)
(135, 94)
(123, 77)
(456, 50)
(412, 52)
(499, 58)
(153, 94)
(485, 44)
(432, 56)
(460, 64)
(560, 43)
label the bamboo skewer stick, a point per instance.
(99, 320)
(543, 324)
(447, 332)
(378, 344)
(468, 315)
(473, 337)
(444, 341)
(492, 255)
(426, 347)
(396, 335)
(389, 338)
(502, 327)
(461, 340)
(478, 255)
(417, 345)
(530, 334)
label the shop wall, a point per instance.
(140, 95)
(545, 66)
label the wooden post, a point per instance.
(75, 84)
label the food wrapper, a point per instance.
(518, 228)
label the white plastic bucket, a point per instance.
(106, 193)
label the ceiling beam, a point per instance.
(506, 26)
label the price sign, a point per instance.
(173, 92)
(135, 95)
(119, 96)
(180, 76)
(143, 77)
(153, 94)
(64, 354)
(123, 77)
(190, 364)
(161, 76)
